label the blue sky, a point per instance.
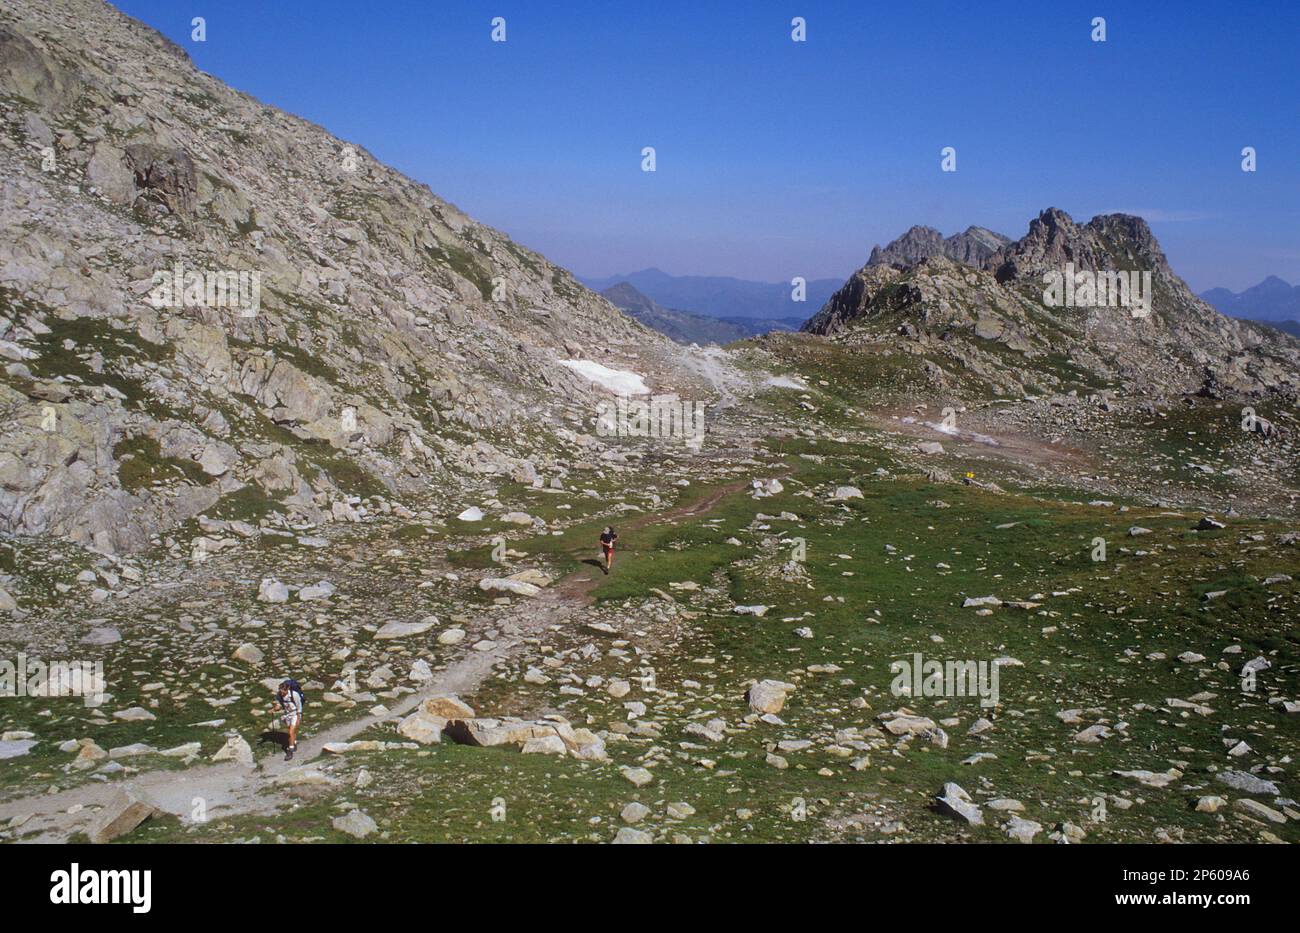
(777, 158)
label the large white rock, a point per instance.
(634, 812)
(908, 724)
(956, 802)
(392, 630)
(182, 751)
(545, 745)
(16, 748)
(766, 487)
(322, 589)
(235, 749)
(134, 714)
(423, 728)
(1152, 778)
(272, 591)
(249, 654)
(508, 585)
(123, 813)
(638, 776)
(768, 696)
(355, 824)
(447, 706)
(1022, 830)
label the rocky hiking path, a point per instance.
(232, 789)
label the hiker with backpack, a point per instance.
(607, 539)
(292, 703)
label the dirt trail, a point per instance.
(578, 585)
(228, 789)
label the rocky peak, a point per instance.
(925, 292)
(916, 244)
(626, 296)
(1108, 242)
(973, 247)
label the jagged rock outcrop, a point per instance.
(973, 247)
(963, 315)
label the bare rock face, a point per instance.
(108, 173)
(160, 176)
(27, 72)
(165, 175)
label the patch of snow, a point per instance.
(952, 431)
(618, 381)
(949, 429)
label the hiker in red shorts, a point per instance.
(607, 539)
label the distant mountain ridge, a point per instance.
(722, 296)
(1273, 299)
(684, 327)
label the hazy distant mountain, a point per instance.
(685, 327)
(1270, 300)
(723, 297)
(1289, 327)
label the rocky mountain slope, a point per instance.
(985, 320)
(339, 338)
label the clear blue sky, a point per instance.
(778, 158)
